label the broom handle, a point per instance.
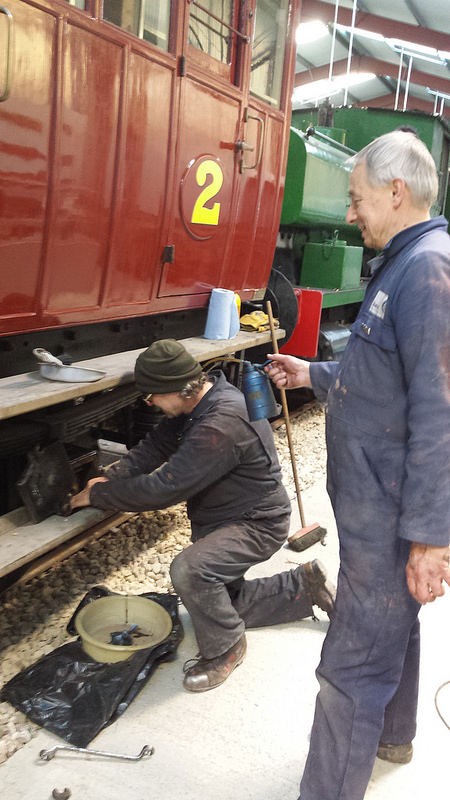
(286, 419)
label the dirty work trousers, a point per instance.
(369, 668)
(208, 577)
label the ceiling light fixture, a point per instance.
(421, 51)
(418, 55)
(438, 94)
(308, 32)
(329, 88)
(376, 37)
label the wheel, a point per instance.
(281, 294)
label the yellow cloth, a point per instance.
(257, 321)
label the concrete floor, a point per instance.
(247, 739)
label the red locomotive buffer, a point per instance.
(142, 161)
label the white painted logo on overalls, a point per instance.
(378, 306)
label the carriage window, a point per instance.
(209, 27)
(78, 3)
(148, 19)
(268, 49)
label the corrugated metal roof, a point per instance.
(415, 79)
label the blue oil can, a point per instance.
(258, 393)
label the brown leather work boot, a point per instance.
(395, 753)
(207, 673)
(321, 590)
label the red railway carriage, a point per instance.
(142, 155)
(143, 146)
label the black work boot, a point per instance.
(395, 753)
(321, 590)
(207, 673)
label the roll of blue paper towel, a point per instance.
(222, 321)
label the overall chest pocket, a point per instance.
(372, 368)
(375, 332)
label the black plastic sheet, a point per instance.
(75, 697)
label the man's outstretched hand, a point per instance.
(288, 372)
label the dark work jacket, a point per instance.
(389, 397)
(223, 465)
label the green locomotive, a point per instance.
(321, 256)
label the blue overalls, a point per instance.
(388, 479)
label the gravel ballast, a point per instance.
(132, 558)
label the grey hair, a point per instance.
(193, 387)
(401, 154)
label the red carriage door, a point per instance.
(231, 150)
(206, 173)
(266, 119)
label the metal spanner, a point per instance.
(47, 755)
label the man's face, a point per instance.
(172, 404)
(370, 209)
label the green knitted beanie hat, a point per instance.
(166, 366)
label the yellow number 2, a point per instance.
(200, 213)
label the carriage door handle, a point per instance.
(242, 145)
(9, 21)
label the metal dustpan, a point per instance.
(54, 369)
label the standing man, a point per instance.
(388, 428)
(206, 451)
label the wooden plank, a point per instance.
(20, 394)
(57, 554)
(22, 543)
